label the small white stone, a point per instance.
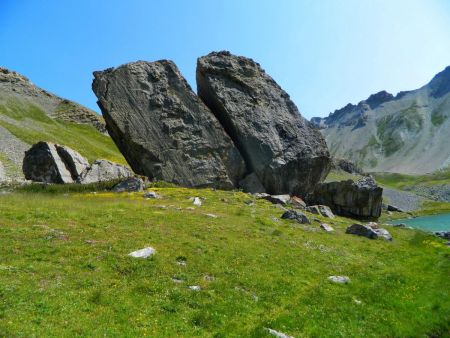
(151, 195)
(197, 201)
(326, 227)
(278, 334)
(212, 215)
(143, 253)
(339, 279)
(194, 287)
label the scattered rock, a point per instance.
(443, 234)
(278, 334)
(103, 170)
(194, 287)
(177, 280)
(390, 207)
(296, 216)
(275, 199)
(143, 253)
(283, 149)
(252, 184)
(297, 202)
(151, 195)
(368, 231)
(209, 278)
(399, 225)
(346, 198)
(163, 129)
(197, 202)
(339, 279)
(43, 163)
(357, 302)
(211, 215)
(325, 211)
(326, 227)
(181, 261)
(313, 209)
(131, 184)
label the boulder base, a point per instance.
(103, 170)
(362, 199)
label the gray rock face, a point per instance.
(73, 160)
(295, 215)
(252, 184)
(286, 153)
(362, 199)
(163, 129)
(103, 170)
(51, 163)
(131, 184)
(368, 231)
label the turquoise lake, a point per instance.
(428, 223)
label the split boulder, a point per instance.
(51, 163)
(163, 129)
(284, 151)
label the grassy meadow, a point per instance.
(65, 270)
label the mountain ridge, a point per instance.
(29, 114)
(405, 133)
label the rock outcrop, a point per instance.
(369, 231)
(163, 129)
(131, 184)
(285, 152)
(51, 163)
(103, 170)
(361, 199)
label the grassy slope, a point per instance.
(400, 181)
(33, 125)
(268, 273)
(407, 182)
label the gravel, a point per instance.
(406, 201)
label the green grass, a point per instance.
(33, 125)
(400, 181)
(65, 272)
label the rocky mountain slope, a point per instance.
(29, 114)
(406, 133)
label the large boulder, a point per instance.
(51, 163)
(163, 129)
(361, 199)
(286, 153)
(103, 170)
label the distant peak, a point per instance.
(7, 75)
(375, 100)
(440, 84)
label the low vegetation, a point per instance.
(65, 270)
(30, 124)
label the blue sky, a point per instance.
(324, 53)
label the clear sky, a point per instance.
(324, 53)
